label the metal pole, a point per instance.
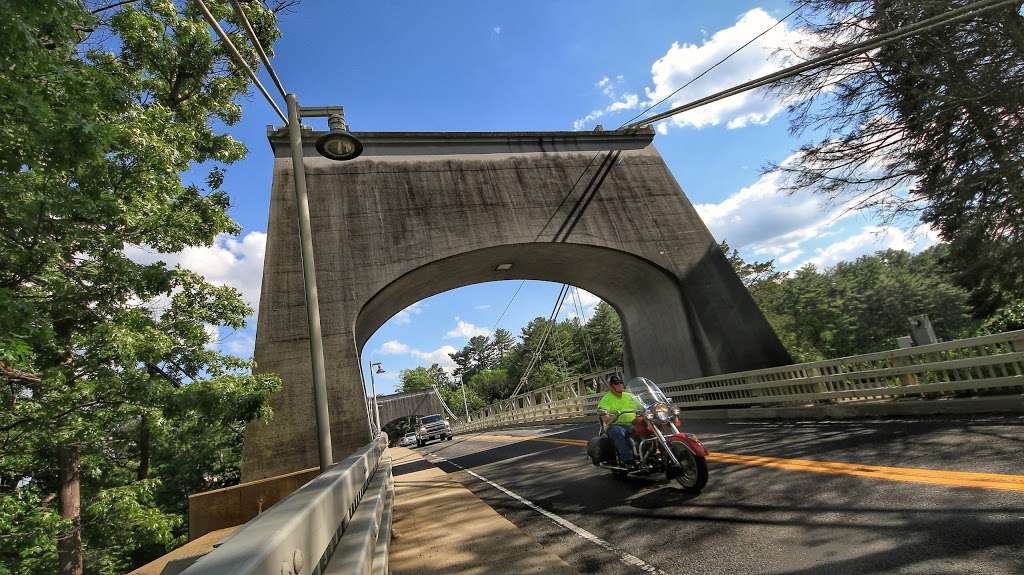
(373, 388)
(316, 342)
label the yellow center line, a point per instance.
(998, 481)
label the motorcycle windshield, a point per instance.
(646, 391)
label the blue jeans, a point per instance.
(620, 438)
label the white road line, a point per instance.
(623, 556)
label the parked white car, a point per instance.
(407, 440)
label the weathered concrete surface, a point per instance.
(230, 506)
(422, 213)
(183, 557)
(398, 405)
(442, 527)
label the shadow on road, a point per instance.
(779, 521)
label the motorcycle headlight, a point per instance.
(662, 412)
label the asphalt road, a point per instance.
(793, 517)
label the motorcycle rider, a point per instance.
(622, 407)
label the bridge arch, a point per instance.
(645, 296)
(398, 405)
(420, 213)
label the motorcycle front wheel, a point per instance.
(692, 473)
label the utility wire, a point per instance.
(238, 57)
(259, 47)
(715, 65)
(962, 13)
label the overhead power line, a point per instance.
(241, 61)
(962, 13)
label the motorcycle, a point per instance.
(657, 442)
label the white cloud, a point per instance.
(404, 317)
(872, 239)
(682, 62)
(427, 358)
(229, 261)
(772, 224)
(394, 347)
(609, 88)
(768, 221)
(588, 300)
(240, 343)
(465, 329)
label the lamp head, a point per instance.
(380, 369)
(338, 144)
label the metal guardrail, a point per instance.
(340, 522)
(986, 364)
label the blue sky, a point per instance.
(542, 65)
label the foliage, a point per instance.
(29, 523)
(102, 107)
(930, 125)
(492, 384)
(860, 306)
(492, 368)
(1008, 318)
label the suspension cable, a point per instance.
(259, 47)
(588, 349)
(944, 19)
(443, 403)
(238, 57)
(591, 358)
(715, 65)
(540, 346)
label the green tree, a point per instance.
(929, 125)
(502, 343)
(604, 330)
(420, 378)
(491, 385)
(102, 107)
(478, 354)
(1008, 318)
(862, 306)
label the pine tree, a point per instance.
(930, 126)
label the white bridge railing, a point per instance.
(991, 364)
(340, 522)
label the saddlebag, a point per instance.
(601, 450)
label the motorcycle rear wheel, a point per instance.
(692, 474)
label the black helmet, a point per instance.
(614, 379)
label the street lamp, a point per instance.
(373, 388)
(338, 144)
(316, 342)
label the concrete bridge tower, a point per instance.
(422, 213)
